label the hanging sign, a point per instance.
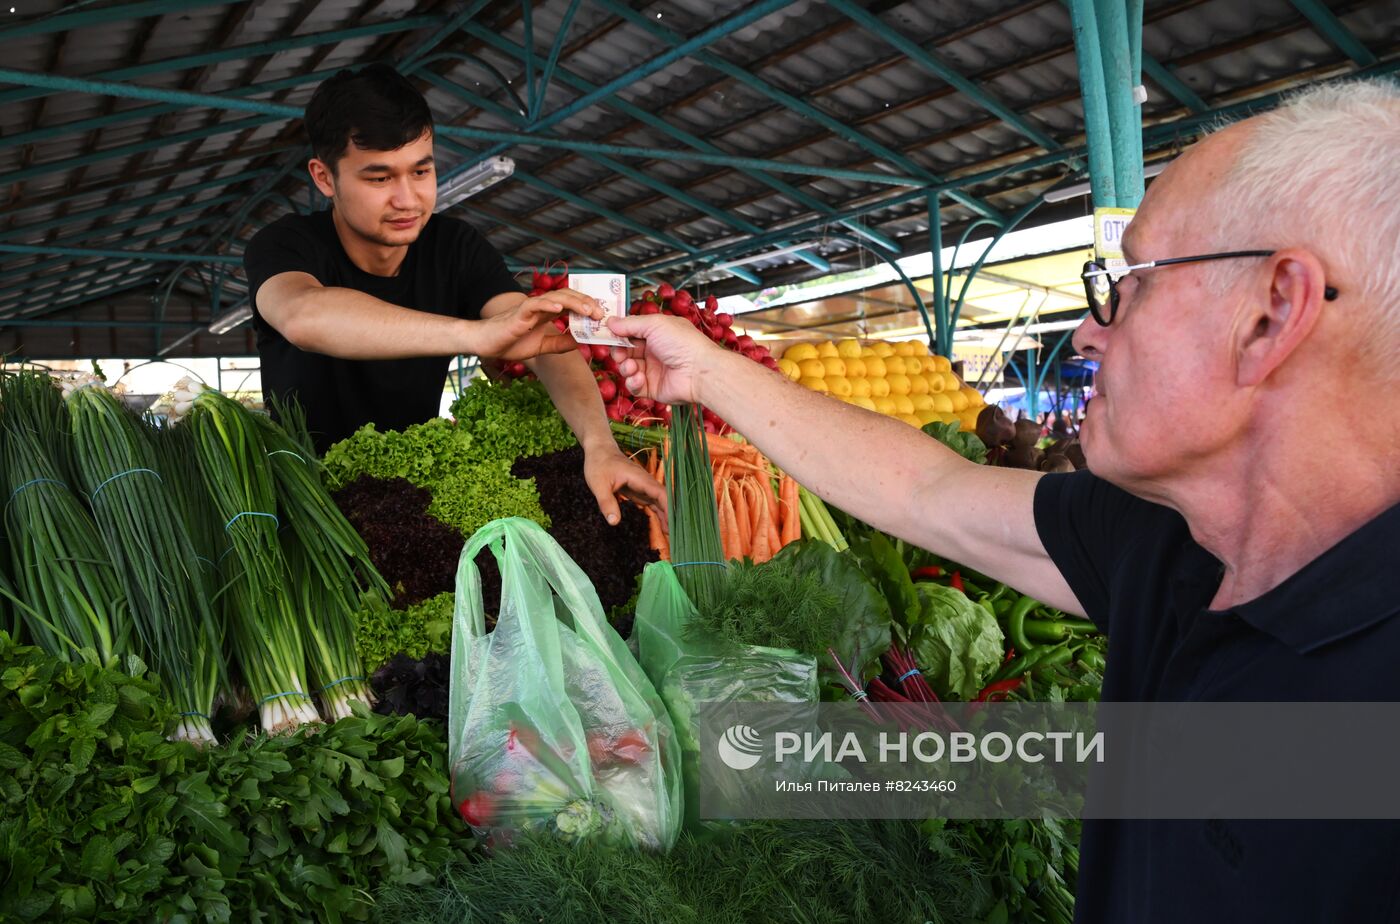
(1110, 224)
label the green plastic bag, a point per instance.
(690, 671)
(552, 724)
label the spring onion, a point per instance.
(266, 634)
(696, 551)
(66, 587)
(151, 548)
(330, 567)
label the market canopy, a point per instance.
(744, 145)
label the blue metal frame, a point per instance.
(278, 112)
(47, 25)
(802, 107)
(931, 63)
(569, 78)
(1331, 27)
(685, 137)
(733, 220)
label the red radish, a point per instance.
(561, 324)
(638, 307)
(478, 809)
(730, 338)
(649, 308)
(624, 405)
(614, 412)
(607, 388)
(770, 362)
(711, 303)
(725, 320)
(600, 352)
(649, 296)
(745, 342)
(666, 290)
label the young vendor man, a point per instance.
(360, 308)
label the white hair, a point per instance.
(1323, 171)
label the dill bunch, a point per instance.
(776, 604)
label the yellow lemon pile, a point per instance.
(895, 379)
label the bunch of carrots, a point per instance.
(758, 507)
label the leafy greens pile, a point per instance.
(381, 632)
(99, 811)
(770, 872)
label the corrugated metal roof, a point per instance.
(804, 84)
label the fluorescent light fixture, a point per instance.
(473, 180)
(231, 319)
(754, 258)
(1080, 189)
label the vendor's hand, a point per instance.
(664, 365)
(527, 330)
(609, 473)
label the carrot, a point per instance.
(770, 500)
(742, 519)
(656, 535)
(728, 528)
(762, 547)
(792, 517)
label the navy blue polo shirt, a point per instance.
(1326, 634)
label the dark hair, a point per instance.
(375, 108)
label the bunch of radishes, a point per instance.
(621, 404)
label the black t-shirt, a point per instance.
(1327, 634)
(450, 270)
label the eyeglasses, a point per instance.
(1101, 283)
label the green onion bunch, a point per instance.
(266, 632)
(329, 566)
(66, 587)
(696, 552)
(148, 542)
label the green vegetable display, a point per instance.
(493, 423)
(965, 443)
(381, 632)
(956, 642)
(102, 818)
(511, 420)
(800, 872)
(808, 597)
(474, 495)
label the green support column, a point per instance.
(1121, 79)
(1089, 56)
(942, 323)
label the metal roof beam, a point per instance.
(65, 263)
(129, 280)
(1162, 132)
(931, 63)
(674, 243)
(1166, 78)
(802, 107)
(120, 254)
(140, 221)
(733, 220)
(65, 22)
(89, 272)
(150, 112)
(137, 202)
(569, 78)
(544, 234)
(138, 147)
(277, 112)
(1331, 27)
(165, 173)
(235, 53)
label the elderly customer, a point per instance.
(1237, 531)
